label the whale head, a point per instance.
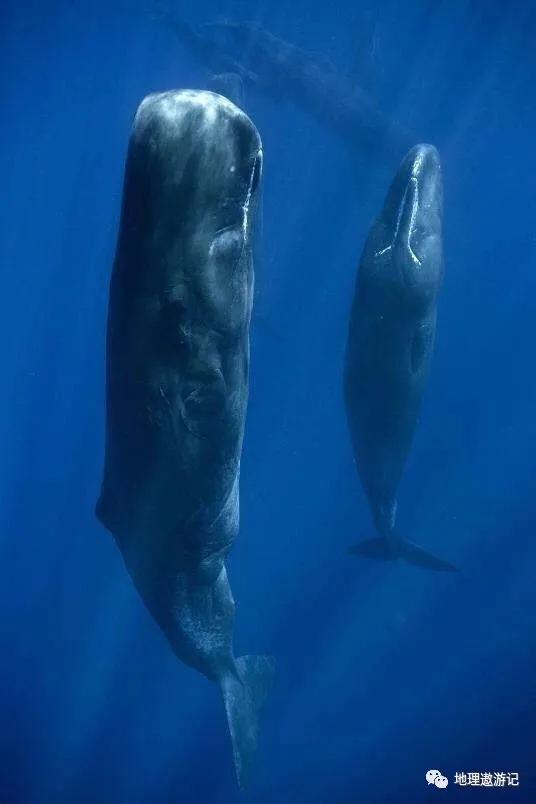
(192, 184)
(404, 252)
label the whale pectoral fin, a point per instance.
(244, 696)
(379, 549)
(414, 554)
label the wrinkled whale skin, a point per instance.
(177, 378)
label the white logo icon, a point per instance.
(437, 778)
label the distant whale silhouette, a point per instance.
(390, 344)
(284, 71)
(177, 382)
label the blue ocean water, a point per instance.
(383, 671)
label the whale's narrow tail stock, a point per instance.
(382, 550)
(243, 698)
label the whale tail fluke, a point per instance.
(244, 695)
(383, 550)
(413, 554)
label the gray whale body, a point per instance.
(177, 382)
(390, 344)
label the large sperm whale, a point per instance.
(390, 344)
(177, 382)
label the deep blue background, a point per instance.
(383, 671)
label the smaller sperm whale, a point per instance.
(390, 344)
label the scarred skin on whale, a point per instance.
(177, 381)
(390, 344)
